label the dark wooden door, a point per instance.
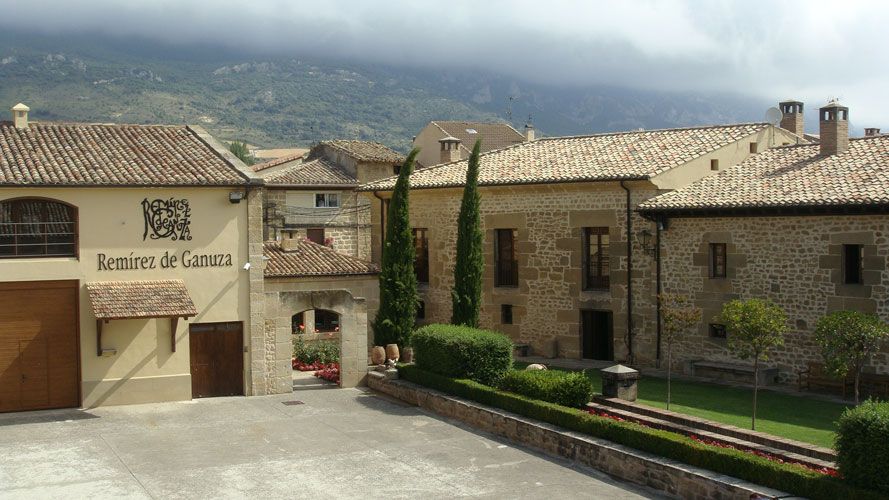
(597, 337)
(39, 356)
(217, 359)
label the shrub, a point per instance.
(572, 389)
(787, 477)
(862, 445)
(321, 351)
(464, 352)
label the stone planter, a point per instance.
(377, 355)
(392, 351)
(407, 356)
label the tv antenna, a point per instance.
(509, 107)
(774, 116)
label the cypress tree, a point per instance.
(470, 263)
(398, 283)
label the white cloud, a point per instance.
(809, 50)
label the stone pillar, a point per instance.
(620, 382)
(256, 373)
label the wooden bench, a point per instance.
(815, 376)
(733, 372)
(521, 350)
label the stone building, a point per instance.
(806, 226)
(561, 232)
(443, 141)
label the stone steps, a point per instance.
(743, 438)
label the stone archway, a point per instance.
(353, 327)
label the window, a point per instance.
(717, 331)
(852, 274)
(315, 235)
(753, 147)
(327, 200)
(714, 164)
(506, 314)
(421, 310)
(717, 260)
(421, 252)
(326, 321)
(595, 258)
(506, 271)
(31, 227)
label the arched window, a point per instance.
(35, 227)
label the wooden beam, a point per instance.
(174, 322)
(99, 337)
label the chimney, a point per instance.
(871, 132)
(529, 130)
(289, 244)
(20, 115)
(792, 121)
(834, 134)
(450, 149)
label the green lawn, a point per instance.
(794, 417)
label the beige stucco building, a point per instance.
(442, 141)
(805, 226)
(558, 214)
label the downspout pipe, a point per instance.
(630, 356)
(659, 226)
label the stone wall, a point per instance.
(549, 298)
(794, 261)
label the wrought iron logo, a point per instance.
(167, 219)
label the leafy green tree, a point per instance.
(466, 296)
(754, 328)
(240, 150)
(678, 316)
(848, 339)
(398, 283)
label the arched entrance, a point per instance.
(339, 311)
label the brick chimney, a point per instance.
(792, 121)
(450, 149)
(20, 115)
(871, 132)
(834, 134)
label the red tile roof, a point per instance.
(366, 151)
(312, 259)
(791, 176)
(318, 172)
(613, 156)
(493, 135)
(140, 299)
(73, 154)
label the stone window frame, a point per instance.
(501, 281)
(716, 269)
(506, 314)
(858, 277)
(601, 282)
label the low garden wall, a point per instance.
(667, 476)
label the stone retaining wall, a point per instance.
(669, 477)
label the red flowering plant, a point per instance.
(331, 373)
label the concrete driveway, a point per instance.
(339, 443)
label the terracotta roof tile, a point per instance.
(311, 259)
(493, 135)
(791, 176)
(315, 172)
(259, 167)
(366, 151)
(613, 156)
(46, 154)
(140, 299)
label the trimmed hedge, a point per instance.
(862, 445)
(463, 352)
(571, 389)
(747, 466)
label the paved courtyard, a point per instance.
(339, 443)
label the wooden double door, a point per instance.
(217, 359)
(39, 354)
(597, 335)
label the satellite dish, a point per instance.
(774, 116)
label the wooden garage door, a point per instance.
(39, 360)
(217, 359)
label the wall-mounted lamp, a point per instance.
(235, 197)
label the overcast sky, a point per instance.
(811, 50)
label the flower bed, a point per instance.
(829, 471)
(330, 373)
(310, 367)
